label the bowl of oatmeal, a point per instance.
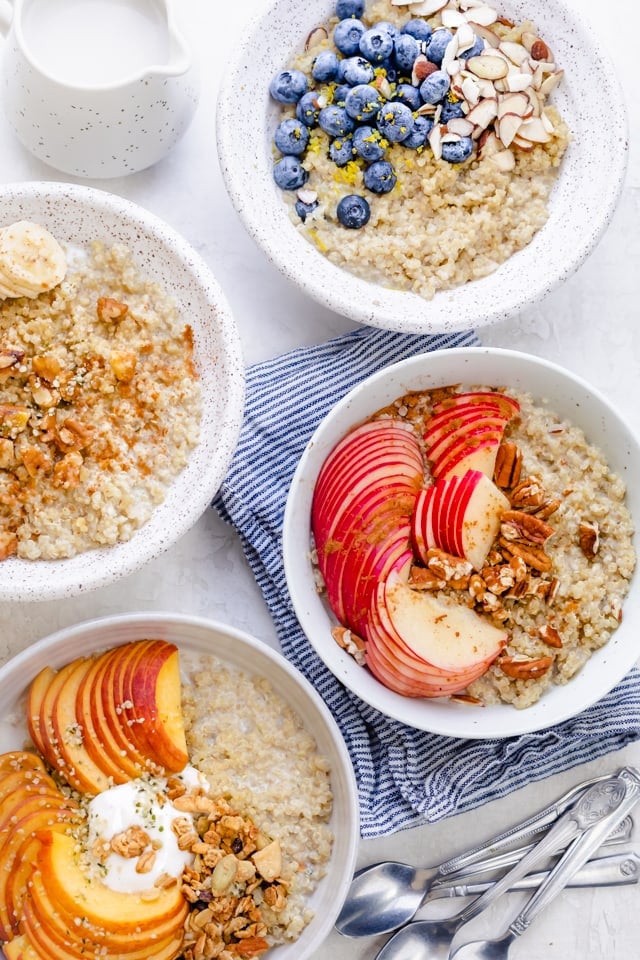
(276, 770)
(532, 563)
(460, 222)
(121, 383)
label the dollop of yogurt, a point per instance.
(138, 803)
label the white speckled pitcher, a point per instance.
(96, 88)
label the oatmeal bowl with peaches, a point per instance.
(422, 166)
(121, 388)
(460, 546)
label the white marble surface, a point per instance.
(590, 325)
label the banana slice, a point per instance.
(31, 260)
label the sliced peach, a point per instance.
(37, 689)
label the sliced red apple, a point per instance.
(481, 446)
(506, 403)
(361, 581)
(449, 422)
(466, 433)
(479, 523)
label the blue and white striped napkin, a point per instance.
(404, 775)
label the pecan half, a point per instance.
(508, 465)
(518, 525)
(533, 555)
(589, 538)
(519, 669)
(550, 635)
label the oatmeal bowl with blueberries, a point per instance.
(423, 166)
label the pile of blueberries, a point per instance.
(359, 120)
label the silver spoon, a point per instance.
(387, 895)
(595, 820)
(431, 939)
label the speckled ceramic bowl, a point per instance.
(560, 391)
(195, 638)
(581, 205)
(79, 215)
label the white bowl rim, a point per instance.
(17, 672)
(368, 303)
(492, 721)
(54, 579)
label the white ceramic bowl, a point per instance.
(562, 392)
(582, 202)
(79, 215)
(196, 637)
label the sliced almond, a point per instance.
(515, 51)
(534, 130)
(466, 37)
(425, 8)
(483, 114)
(426, 110)
(537, 77)
(435, 141)
(517, 103)
(487, 35)
(546, 122)
(516, 82)
(460, 125)
(452, 19)
(470, 90)
(507, 128)
(450, 53)
(528, 39)
(484, 15)
(550, 82)
(450, 137)
(504, 160)
(317, 35)
(522, 144)
(488, 66)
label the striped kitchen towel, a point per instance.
(405, 776)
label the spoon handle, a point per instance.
(620, 869)
(606, 810)
(527, 828)
(605, 804)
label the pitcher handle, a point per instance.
(6, 16)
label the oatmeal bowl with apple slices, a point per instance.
(422, 167)
(121, 388)
(167, 800)
(459, 542)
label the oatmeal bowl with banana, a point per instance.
(121, 388)
(460, 542)
(424, 166)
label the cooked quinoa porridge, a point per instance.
(255, 752)
(100, 407)
(448, 217)
(558, 563)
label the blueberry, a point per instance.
(335, 121)
(458, 151)
(408, 94)
(451, 108)
(376, 44)
(349, 8)
(435, 87)
(390, 28)
(340, 93)
(380, 177)
(291, 137)
(288, 86)
(353, 211)
(417, 28)
(307, 109)
(440, 39)
(362, 102)
(325, 67)
(341, 150)
(407, 49)
(346, 36)
(304, 209)
(355, 70)
(366, 143)
(390, 69)
(395, 121)
(289, 173)
(473, 51)
(418, 136)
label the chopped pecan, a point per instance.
(466, 699)
(350, 642)
(518, 525)
(499, 579)
(528, 493)
(532, 554)
(550, 635)
(524, 669)
(74, 434)
(448, 567)
(420, 578)
(508, 465)
(110, 310)
(546, 509)
(589, 538)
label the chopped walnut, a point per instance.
(7, 454)
(110, 310)
(67, 472)
(46, 367)
(36, 461)
(123, 363)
